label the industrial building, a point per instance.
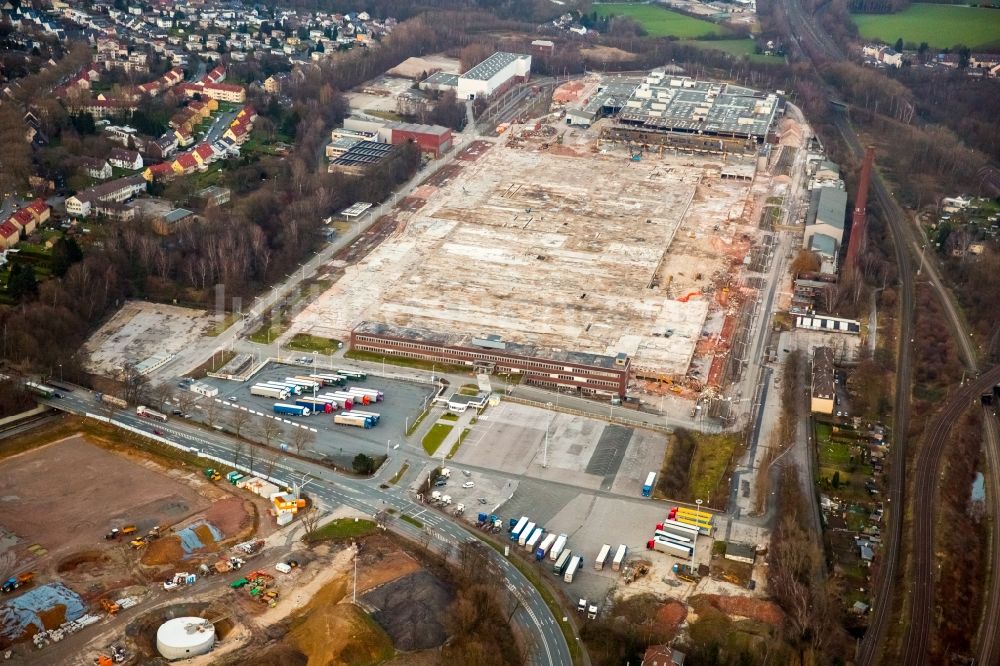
(609, 99)
(495, 74)
(824, 232)
(589, 374)
(360, 157)
(701, 115)
(822, 396)
(432, 139)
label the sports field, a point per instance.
(941, 26)
(660, 22)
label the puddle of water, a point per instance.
(979, 488)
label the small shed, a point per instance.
(740, 552)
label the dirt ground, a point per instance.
(412, 68)
(139, 330)
(77, 492)
(607, 53)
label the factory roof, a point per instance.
(442, 79)
(822, 373)
(462, 340)
(823, 244)
(829, 204)
(364, 152)
(684, 104)
(485, 70)
(436, 130)
(176, 215)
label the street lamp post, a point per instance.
(697, 532)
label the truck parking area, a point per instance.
(403, 402)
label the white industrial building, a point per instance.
(493, 74)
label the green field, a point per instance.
(343, 528)
(736, 47)
(941, 26)
(659, 21)
(435, 436)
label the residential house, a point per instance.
(9, 235)
(82, 203)
(204, 154)
(161, 171)
(217, 75)
(96, 168)
(214, 195)
(40, 210)
(125, 159)
(23, 220)
(185, 164)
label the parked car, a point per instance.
(468, 484)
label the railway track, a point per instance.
(987, 650)
(922, 598)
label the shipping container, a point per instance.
(291, 410)
(291, 388)
(673, 537)
(670, 548)
(534, 539)
(571, 570)
(353, 374)
(602, 557)
(558, 546)
(316, 404)
(376, 396)
(526, 534)
(269, 392)
(345, 418)
(680, 529)
(560, 566)
(148, 413)
(341, 403)
(545, 545)
(329, 379)
(374, 416)
(518, 528)
(616, 564)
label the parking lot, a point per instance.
(403, 402)
(584, 452)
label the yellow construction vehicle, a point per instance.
(137, 543)
(109, 606)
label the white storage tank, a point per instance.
(185, 637)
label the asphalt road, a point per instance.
(330, 489)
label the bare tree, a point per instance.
(239, 446)
(310, 521)
(185, 401)
(270, 429)
(211, 411)
(301, 438)
(239, 420)
(251, 454)
(269, 459)
(134, 383)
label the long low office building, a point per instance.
(589, 374)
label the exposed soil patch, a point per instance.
(84, 562)
(67, 515)
(755, 609)
(167, 550)
(671, 615)
(231, 516)
(411, 609)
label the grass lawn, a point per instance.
(738, 48)
(268, 333)
(413, 521)
(416, 422)
(435, 436)
(712, 459)
(941, 26)
(659, 21)
(448, 417)
(220, 326)
(343, 528)
(386, 115)
(399, 475)
(311, 343)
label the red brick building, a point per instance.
(432, 139)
